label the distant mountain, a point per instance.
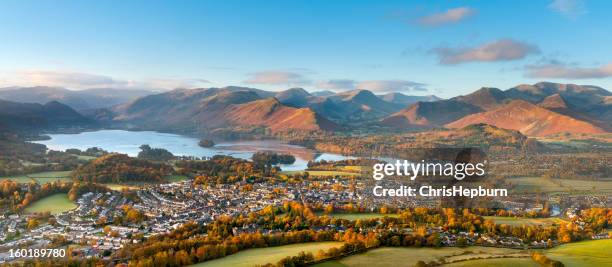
(402, 99)
(584, 98)
(295, 97)
(344, 107)
(276, 116)
(355, 106)
(79, 100)
(429, 114)
(557, 103)
(529, 119)
(584, 103)
(201, 110)
(485, 98)
(31, 116)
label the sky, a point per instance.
(446, 48)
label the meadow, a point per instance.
(261, 256)
(544, 185)
(358, 216)
(40, 177)
(407, 256)
(323, 173)
(518, 221)
(138, 185)
(55, 204)
(502, 262)
(585, 253)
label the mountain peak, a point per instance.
(555, 101)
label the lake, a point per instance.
(128, 142)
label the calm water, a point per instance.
(127, 142)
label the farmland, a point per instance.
(261, 256)
(54, 204)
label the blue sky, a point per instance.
(445, 48)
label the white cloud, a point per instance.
(277, 78)
(386, 86)
(564, 71)
(500, 50)
(447, 17)
(80, 80)
(568, 8)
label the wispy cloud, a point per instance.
(377, 86)
(564, 71)
(386, 86)
(336, 84)
(447, 17)
(500, 50)
(80, 80)
(277, 78)
(568, 8)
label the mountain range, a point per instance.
(82, 100)
(534, 110)
(16, 116)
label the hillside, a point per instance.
(485, 98)
(201, 110)
(119, 168)
(79, 100)
(29, 116)
(583, 103)
(276, 116)
(529, 119)
(429, 114)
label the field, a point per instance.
(41, 177)
(357, 216)
(586, 253)
(325, 173)
(539, 184)
(54, 204)
(120, 187)
(505, 262)
(261, 256)
(527, 221)
(398, 256)
(175, 178)
(138, 185)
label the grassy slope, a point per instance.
(261, 256)
(399, 256)
(357, 216)
(54, 204)
(586, 253)
(527, 221)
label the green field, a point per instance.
(504, 262)
(175, 178)
(54, 204)
(357, 216)
(41, 177)
(324, 173)
(585, 253)
(540, 184)
(47, 177)
(514, 221)
(401, 256)
(120, 187)
(261, 256)
(138, 185)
